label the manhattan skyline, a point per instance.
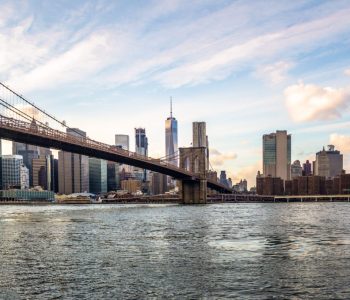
(244, 74)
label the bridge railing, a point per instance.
(40, 130)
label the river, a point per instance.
(243, 251)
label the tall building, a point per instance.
(171, 145)
(73, 169)
(296, 170)
(223, 178)
(113, 176)
(329, 163)
(44, 172)
(277, 154)
(141, 141)
(307, 169)
(14, 173)
(97, 175)
(122, 141)
(141, 147)
(28, 152)
(158, 184)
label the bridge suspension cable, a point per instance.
(16, 101)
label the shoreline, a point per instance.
(40, 203)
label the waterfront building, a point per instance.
(158, 183)
(171, 143)
(97, 175)
(14, 174)
(131, 185)
(277, 154)
(328, 163)
(344, 184)
(54, 173)
(269, 185)
(113, 176)
(43, 172)
(28, 152)
(307, 168)
(73, 169)
(29, 195)
(296, 169)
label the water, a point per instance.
(245, 251)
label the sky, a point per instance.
(246, 68)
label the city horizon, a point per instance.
(299, 85)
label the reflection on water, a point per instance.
(255, 251)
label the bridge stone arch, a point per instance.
(193, 159)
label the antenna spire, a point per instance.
(171, 106)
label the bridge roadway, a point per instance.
(35, 134)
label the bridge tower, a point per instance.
(192, 191)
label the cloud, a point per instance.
(179, 54)
(347, 72)
(308, 102)
(226, 58)
(341, 142)
(218, 159)
(274, 73)
(83, 59)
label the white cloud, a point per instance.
(174, 54)
(227, 57)
(307, 102)
(347, 72)
(274, 73)
(218, 159)
(82, 60)
(341, 142)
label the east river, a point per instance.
(243, 251)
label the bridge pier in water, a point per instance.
(194, 191)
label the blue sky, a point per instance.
(245, 67)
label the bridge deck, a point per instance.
(35, 134)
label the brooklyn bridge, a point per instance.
(23, 121)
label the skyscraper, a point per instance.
(171, 145)
(73, 169)
(122, 141)
(307, 168)
(141, 141)
(14, 173)
(28, 152)
(141, 147)
(329, 163)
(277, 154)
(44, 172)
(223, 178)
(97, 175)
(296, 169)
